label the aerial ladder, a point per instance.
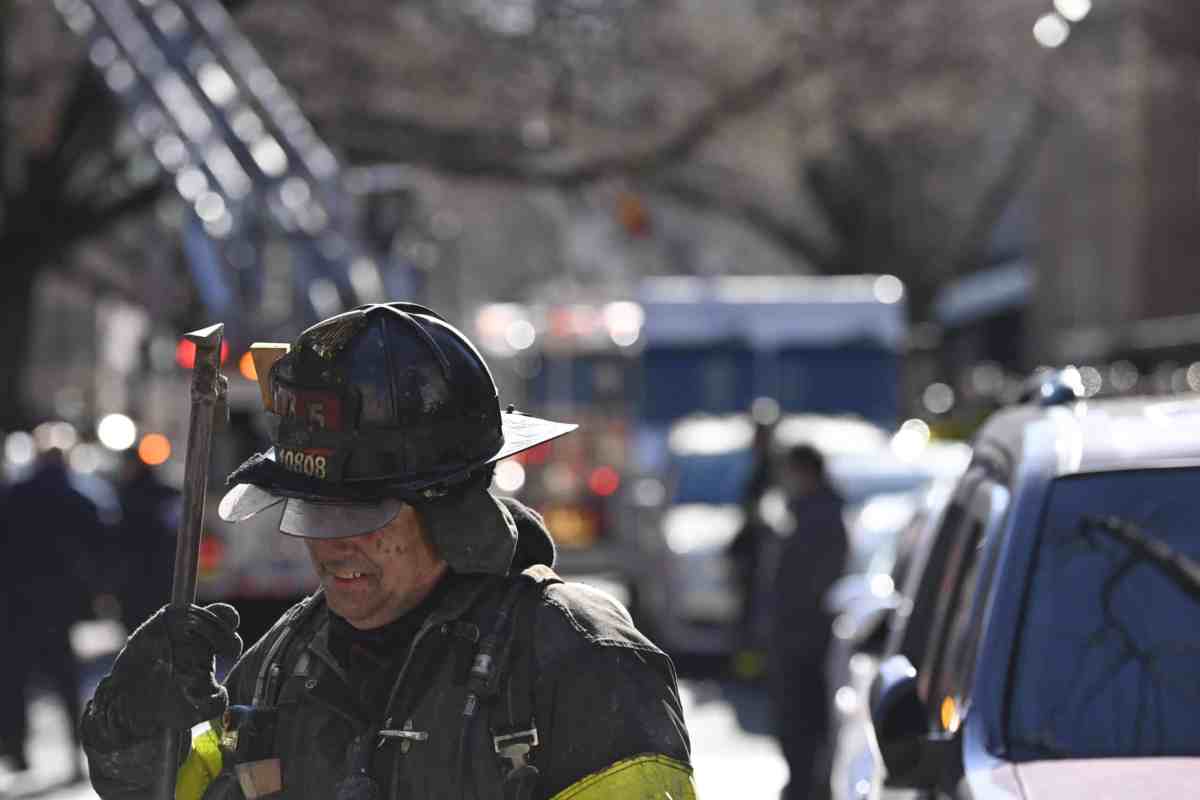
(271, 238)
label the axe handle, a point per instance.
(206, 390)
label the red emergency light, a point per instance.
(604, 481)
(185, 353)
(212, 554)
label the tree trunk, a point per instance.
(16, 320)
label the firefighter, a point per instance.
(441, 656)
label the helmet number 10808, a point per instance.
(304, 463)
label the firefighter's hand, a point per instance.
(164, 677)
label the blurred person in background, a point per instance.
(54, 533)
(145, 541)
(747, 548)
(12, 699)
(812, 557)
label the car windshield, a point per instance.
(1109, 648)
(716, 478)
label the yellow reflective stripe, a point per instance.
(653, 777)
(203, 764)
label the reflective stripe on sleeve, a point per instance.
(650, 777)
(203, 764)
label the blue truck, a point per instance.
(629, 366)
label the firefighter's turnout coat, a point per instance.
(513, 686)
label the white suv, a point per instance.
(1050, 643)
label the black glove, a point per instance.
(164, 677)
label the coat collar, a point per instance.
(461, 596)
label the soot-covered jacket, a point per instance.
(570, 665)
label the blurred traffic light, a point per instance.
(632, 214)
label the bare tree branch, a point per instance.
(999, 191)
(763, 216)
(470, 152)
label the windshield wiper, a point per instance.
(1182, 570)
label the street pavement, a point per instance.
(733, 754)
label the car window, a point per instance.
(959, 646)
(951, 582)
(1109, 645)
(923, 587)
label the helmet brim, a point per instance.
(245, 500)
(309, 519)
(336, 519)
(522, 431)
(314, 519)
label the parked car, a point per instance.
(883, 532)
(1049, 640)
(862, 630)
(686, 592)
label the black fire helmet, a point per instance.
(376, 407)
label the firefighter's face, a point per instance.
(376, 578)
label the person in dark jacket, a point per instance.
(441, 656)
(145, 540)
(753, 538)
(810, 560)
(54, 531)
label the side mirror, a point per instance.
(914, 757)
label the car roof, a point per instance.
(1094, 435)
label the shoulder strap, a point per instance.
(511, 744)
(247, 732)
(266, 687)
(491, 656)
(515, 741)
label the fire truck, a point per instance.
(570, 361)
(628, 367)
